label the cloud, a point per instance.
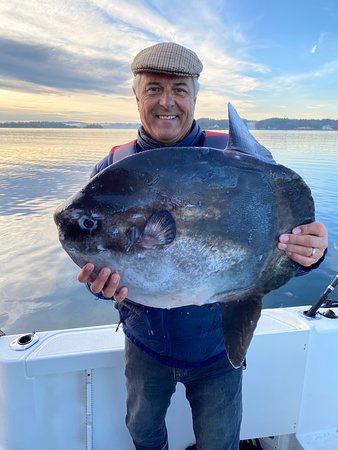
(57, 68)
(88, 46)
(287, 82)
(83, 49)
(318, 106)
(326, 69)
(321, 39)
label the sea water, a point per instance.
(39, 168)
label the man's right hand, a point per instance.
(106, 282)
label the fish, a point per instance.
(192, 226)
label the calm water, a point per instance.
(39, 168)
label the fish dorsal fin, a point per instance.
(241, 140)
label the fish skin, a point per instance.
(192, 225)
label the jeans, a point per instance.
(214, 393)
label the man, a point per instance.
(181, 344)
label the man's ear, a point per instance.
(137, 100)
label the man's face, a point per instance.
(166, 105)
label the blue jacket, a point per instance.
(189, 336)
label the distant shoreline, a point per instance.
(78, 125)
(206, 124)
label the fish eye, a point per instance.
(87, 223)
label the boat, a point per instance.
(64, 389)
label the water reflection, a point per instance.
(28, 192)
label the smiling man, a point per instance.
(184, 344)
(166, 105)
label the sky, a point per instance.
(69, 60)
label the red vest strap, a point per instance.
(117, 147)
(121, 151)
(214, 133)
(214, 139)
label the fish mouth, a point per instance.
(62, 237)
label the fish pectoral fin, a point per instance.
(133, 235)
(239, 323)
(159, 230)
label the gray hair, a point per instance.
(136, 83)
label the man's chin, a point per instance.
(167, 137)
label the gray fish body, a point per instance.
(190, 225)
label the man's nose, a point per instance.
(167, 99)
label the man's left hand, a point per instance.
(306, 244)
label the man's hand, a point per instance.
(106, 282)
(306, 244)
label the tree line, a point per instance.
(205, 123)
(274, 123)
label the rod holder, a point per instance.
(314, 308)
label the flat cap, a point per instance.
(169, 58)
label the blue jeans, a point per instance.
(214, 393)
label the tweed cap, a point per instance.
(169, 58)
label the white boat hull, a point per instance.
(67, 392)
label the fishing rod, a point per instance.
(314, 308)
